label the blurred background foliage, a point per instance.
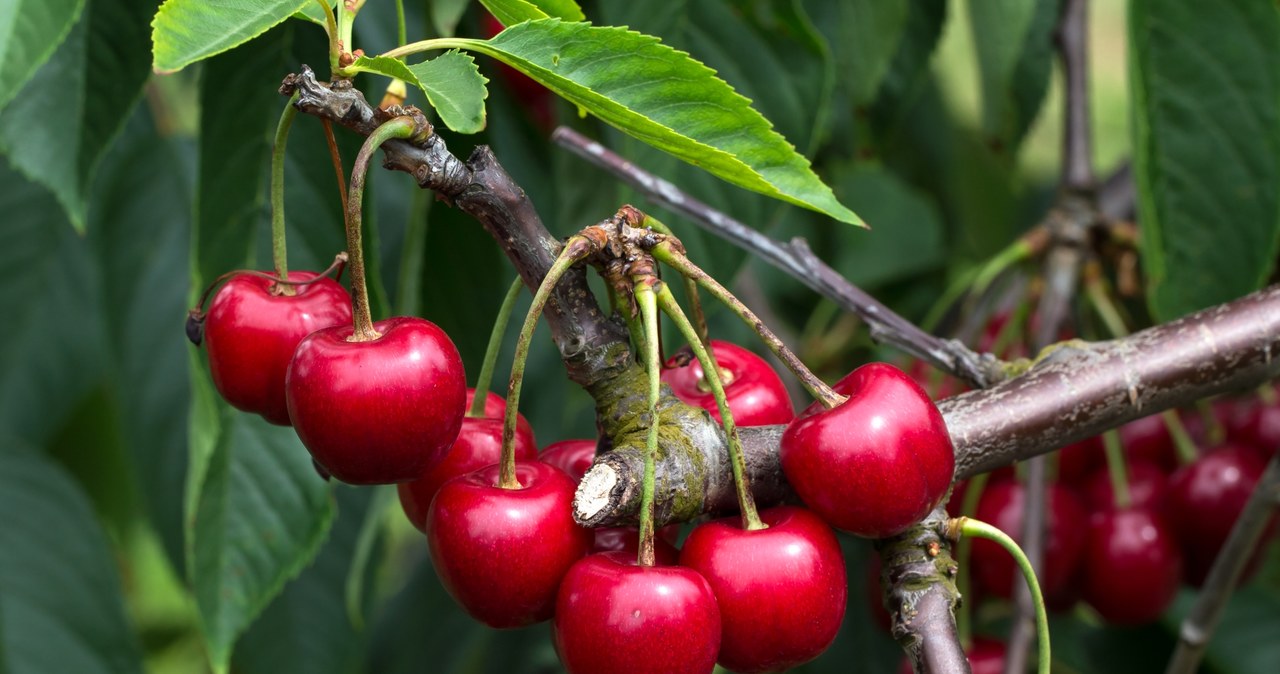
(145, 526)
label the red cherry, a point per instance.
(1001, 506)
(754, 391)
(616, 617)
(875, 464)
(501, 553)
(781, 590)
(875, 595)
(495, 406)
(1148, 488)
(1078, 460)
(251, 335)
(379, 411)
(1206, 498)
(479, 444)
(572, 456)
(627, 539)
(1131, 567)
(1261, 429)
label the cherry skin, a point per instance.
(781, 590)
(501, 553)
(1001, 506)
(627, 539)
(1260, 428)
(616, 617)
(1206, 498)
(1148, 488)
(1078, 460)
(479, 444)
(875, 464)
(754, 391)
(574, 457)
(380, 411)
(251, 335)
(1131, 567)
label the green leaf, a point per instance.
(60, 599)
(57, 129)
(1244, 642)
(668, 100)
(562, 9)
(1206, 148)
(864, 35)
(445, 15)
(1014, 41)
(312, 12)
(30, 30)
(511, 12)
(903, 80)
(186, 31)
(455, 88)
(257, 513)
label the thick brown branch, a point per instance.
(1077, 390)
(798, 260)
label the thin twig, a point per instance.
(796, 259)
(1077, 150)
(1224, 575)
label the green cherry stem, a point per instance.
(690, 289)
(347, 10)
(401, 33)
(331, 29)
(399, 127)
(492, 350)
(575, 249)
(622, 305)
(674, 258)
(964, 582)
(279, 249)
(1117, 469)
(970, 527)
(667, 302)
(652, 361)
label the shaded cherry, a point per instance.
(1002, 506)
(1078, 460)
(1148, 488)
(1206, 498)
(1131, 566)
(378, 411)
(1261, 429)
(754, 391)
(782, 590)
(875, 596)
(251, 334)
(574, 457)
(627, 539)
(875, 464)
(614, 616)
(501, 553)
(479, 444)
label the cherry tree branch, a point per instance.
(1224, 575)
(797, 259)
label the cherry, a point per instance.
(251, 335)
(379, 411)
(1261, 428)
(875, 464)
(1131, 567)
(1148, 438)
(781, 590)
(501, 553)
(1001, 506)
(875, 596)
(479, 444)
(1205, 498)
(1148, 487)
(1078, 460)
(574, 457)
(754, 391)
(616, 617)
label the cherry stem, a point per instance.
(575, 249)
(331, 29)
(621, 306)
(347, 10)
(401, 35)
(336, 156)
(649, 317)
(1182, 442)
(399, 127)
(691, 290)
(1117, 469)
(964, 582)
(493, 349)
(970, 527)
(279, 249)
(677, 260)
(710, 374)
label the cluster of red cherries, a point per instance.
(391, 410)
